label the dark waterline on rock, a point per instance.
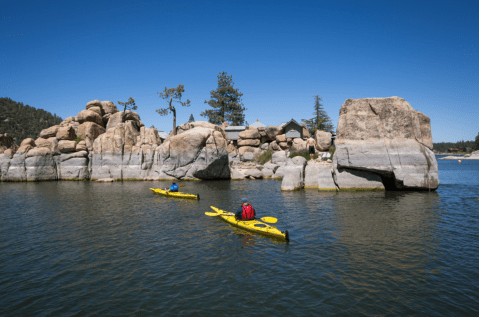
(72, 248)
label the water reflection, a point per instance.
(390, 237)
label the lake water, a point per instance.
(115, 249)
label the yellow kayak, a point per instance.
(174, 194)
(252, 225)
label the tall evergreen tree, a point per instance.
(321, 120)
(477, 142)
(226, 103)
(192, 119)
(174, 95)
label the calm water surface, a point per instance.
(115, 249)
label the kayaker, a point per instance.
(173, 188)
(246, 211)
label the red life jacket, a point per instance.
(248, 212)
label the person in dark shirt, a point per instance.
(173, 188)
(246, 211)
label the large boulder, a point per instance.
(198, 153)
(251, 133)
(267, 173)
(98, 110)
(236, 175)
(89, 131)
(384, 143)
(279, 158)
(273, 131)
(65, 146)
(293, 173)
(293, 178)
(319, 175)
(50, 143)
(284, 146)
(253, 173)
(66, 133)
(323, 140)
(49, 132)
(273, 146)
(108, 107)
(248, 142)
(89, 116)
(81, 146)
(299, 145)
(120, 117)
(93, 103)
(281, 138)
(271, 166)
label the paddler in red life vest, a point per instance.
(246, 211)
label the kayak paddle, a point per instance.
(265, 219)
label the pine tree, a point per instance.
(129, 105)
(477, 142)
(192, 119)
(174, 95)
(226, 103)
(321, 120)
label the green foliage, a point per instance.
(191, 119)
(174, 95)
(304, 154)
(129, 105)
(23, 121)
(265, 157)
(476, 147)
(78, 139)
(226, 103)
(462, 145)
(332, 149)
(321, 120)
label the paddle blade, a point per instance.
(182, 185)
(269, 219)
(212, 214)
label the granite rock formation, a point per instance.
(384, 142)
(101, 143)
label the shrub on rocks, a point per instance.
(265, 157)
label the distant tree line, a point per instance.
(23, 121)
(461, 145)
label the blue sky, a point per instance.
(58, 55)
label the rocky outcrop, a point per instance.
(55, 155)
(124, 152)
(384, 143)
(298, 145)
(293, 174)
(198, 153)
(323, 140)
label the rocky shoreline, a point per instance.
(381, 144)
(473, 156)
